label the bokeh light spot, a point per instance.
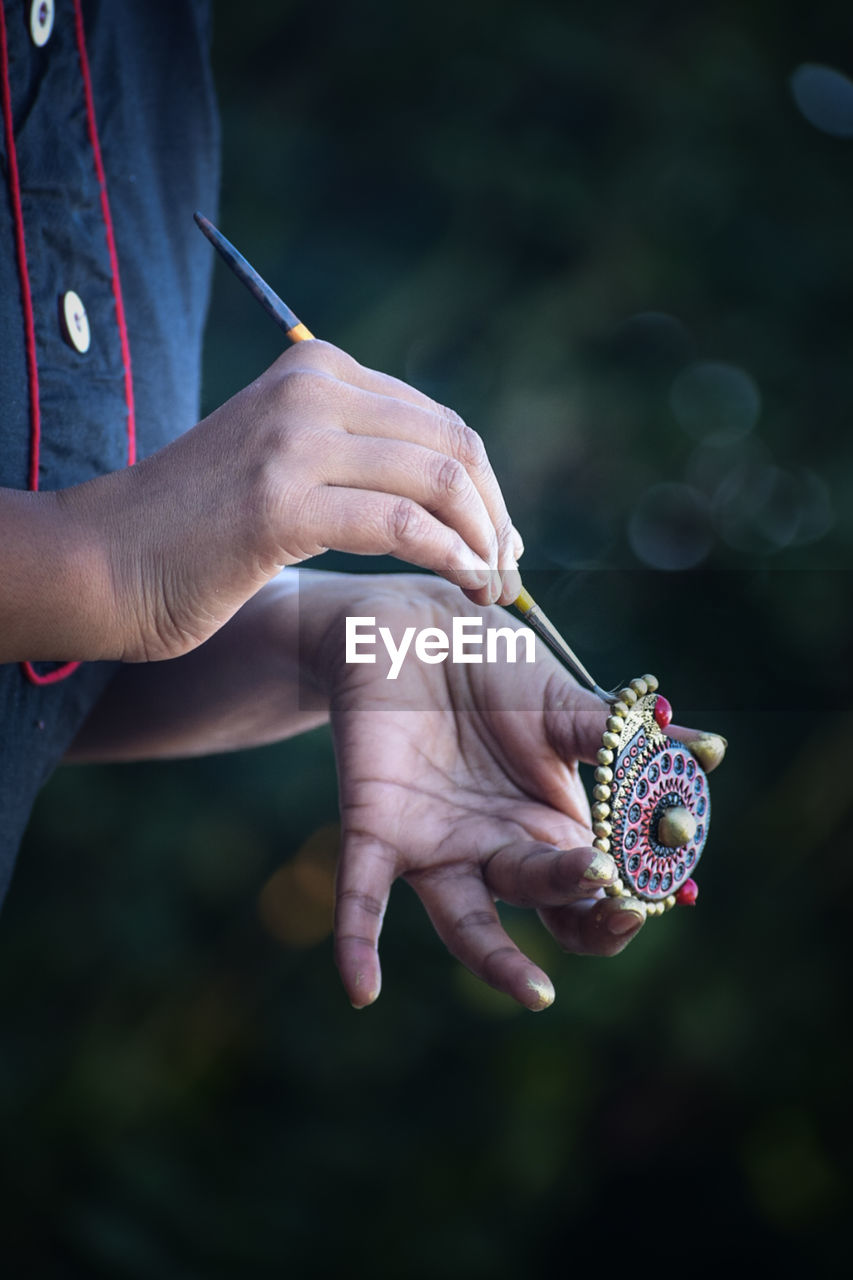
(816, 511)
(710, 398)
(670, 527)
(715, 458)
(825, 98)
(760, 508)
(297, 903)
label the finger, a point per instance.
(575, 721)
(517, 543)
(436, 427)
(371, 524)
(393, 409)
(542, 876)
(464, 916)
(325, 356)
(708, 748)
(365, 875)
(596, 927)
(439, 484)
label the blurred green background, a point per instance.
(617, 239)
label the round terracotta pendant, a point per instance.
(653, 805)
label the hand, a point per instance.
(463, 780)
(317, 453)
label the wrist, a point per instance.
(55, 597)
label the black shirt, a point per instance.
(151, 114)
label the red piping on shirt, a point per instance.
(60, 672)
(108, 228)
(21, 249)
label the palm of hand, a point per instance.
(463, 780)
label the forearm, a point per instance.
(263, 677)
(55, 596)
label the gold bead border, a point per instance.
(601, 825)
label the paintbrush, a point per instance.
(296, 331)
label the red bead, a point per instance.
(687, 894)
(663, 711)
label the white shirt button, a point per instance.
(75, 322)
(42, 13)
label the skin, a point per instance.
(460, 779)
(147, 563)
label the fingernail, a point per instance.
(518, 543)
(601, 870)
(709, 750)
(543, 992)
(629, 914)
(369, 998)
(512, 583)
(475, 573)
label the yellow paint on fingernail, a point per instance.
(601, 870)
(708, 750)
(544, 992)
